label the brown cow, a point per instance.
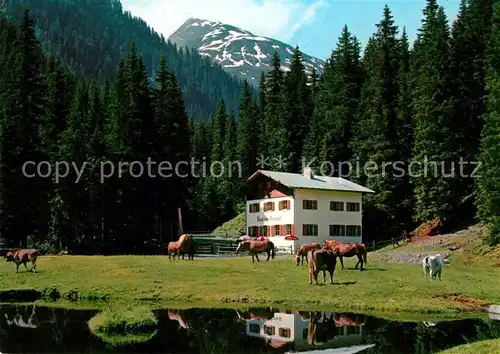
(23, 256)
(255, 247)
(321, 260)
(302, 253)
(347, 249)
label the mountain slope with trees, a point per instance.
(90, 37)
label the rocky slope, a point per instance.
(238, 51)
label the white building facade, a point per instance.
(313, 208)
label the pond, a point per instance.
(35, 329)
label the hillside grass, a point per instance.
(157, 282)
(471, 248)
(482, 347)
(232, 227)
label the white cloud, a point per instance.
(309, 15)
(271, 18)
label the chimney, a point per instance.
(308, 172)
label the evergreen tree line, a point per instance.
(435, 101)
(48, 114)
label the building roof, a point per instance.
(300, 181)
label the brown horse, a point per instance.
(175, 315)
(255, 247)
(185, 244)
(23, 256)
(321, 329)
(348, 249)
(347, 319)
(321, 260)
(302, 253)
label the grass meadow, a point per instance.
(230, 282)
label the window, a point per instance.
(310, 204)
(269, 330)
(254, 328)
(337, 230)
(352, 206)
(284, 205)
(252, 231)
(277, 229)
(337, 206)
(284, 332)
(309, 230)
(264, 231)
(269, 206)
(254, 208)
(288, 229)
(353, 230)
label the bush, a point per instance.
(493, 235)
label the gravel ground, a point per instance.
(407, 257)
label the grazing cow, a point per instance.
(432, 266)
(302, 253)
(321, 260)
(348, 249)
(255, 247)
(23, 256)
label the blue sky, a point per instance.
(314, 25)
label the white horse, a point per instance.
(433, 266)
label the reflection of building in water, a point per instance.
(326, 329)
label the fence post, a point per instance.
(374, 245)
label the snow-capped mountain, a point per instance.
(238, 51)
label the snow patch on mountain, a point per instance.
(238, 51)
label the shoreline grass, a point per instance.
(156, 282)
(489, 346)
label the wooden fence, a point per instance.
(217, 249)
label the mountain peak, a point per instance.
(236, 50)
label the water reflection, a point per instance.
(33, 329)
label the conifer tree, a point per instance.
(488, 200)
(378, 130)
(433, 150)
(24, 204)
(469, 36)
(336, 103)
(248, 133)
(275, 134)
(297, 109)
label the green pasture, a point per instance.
(228, 282)
(482, 347)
